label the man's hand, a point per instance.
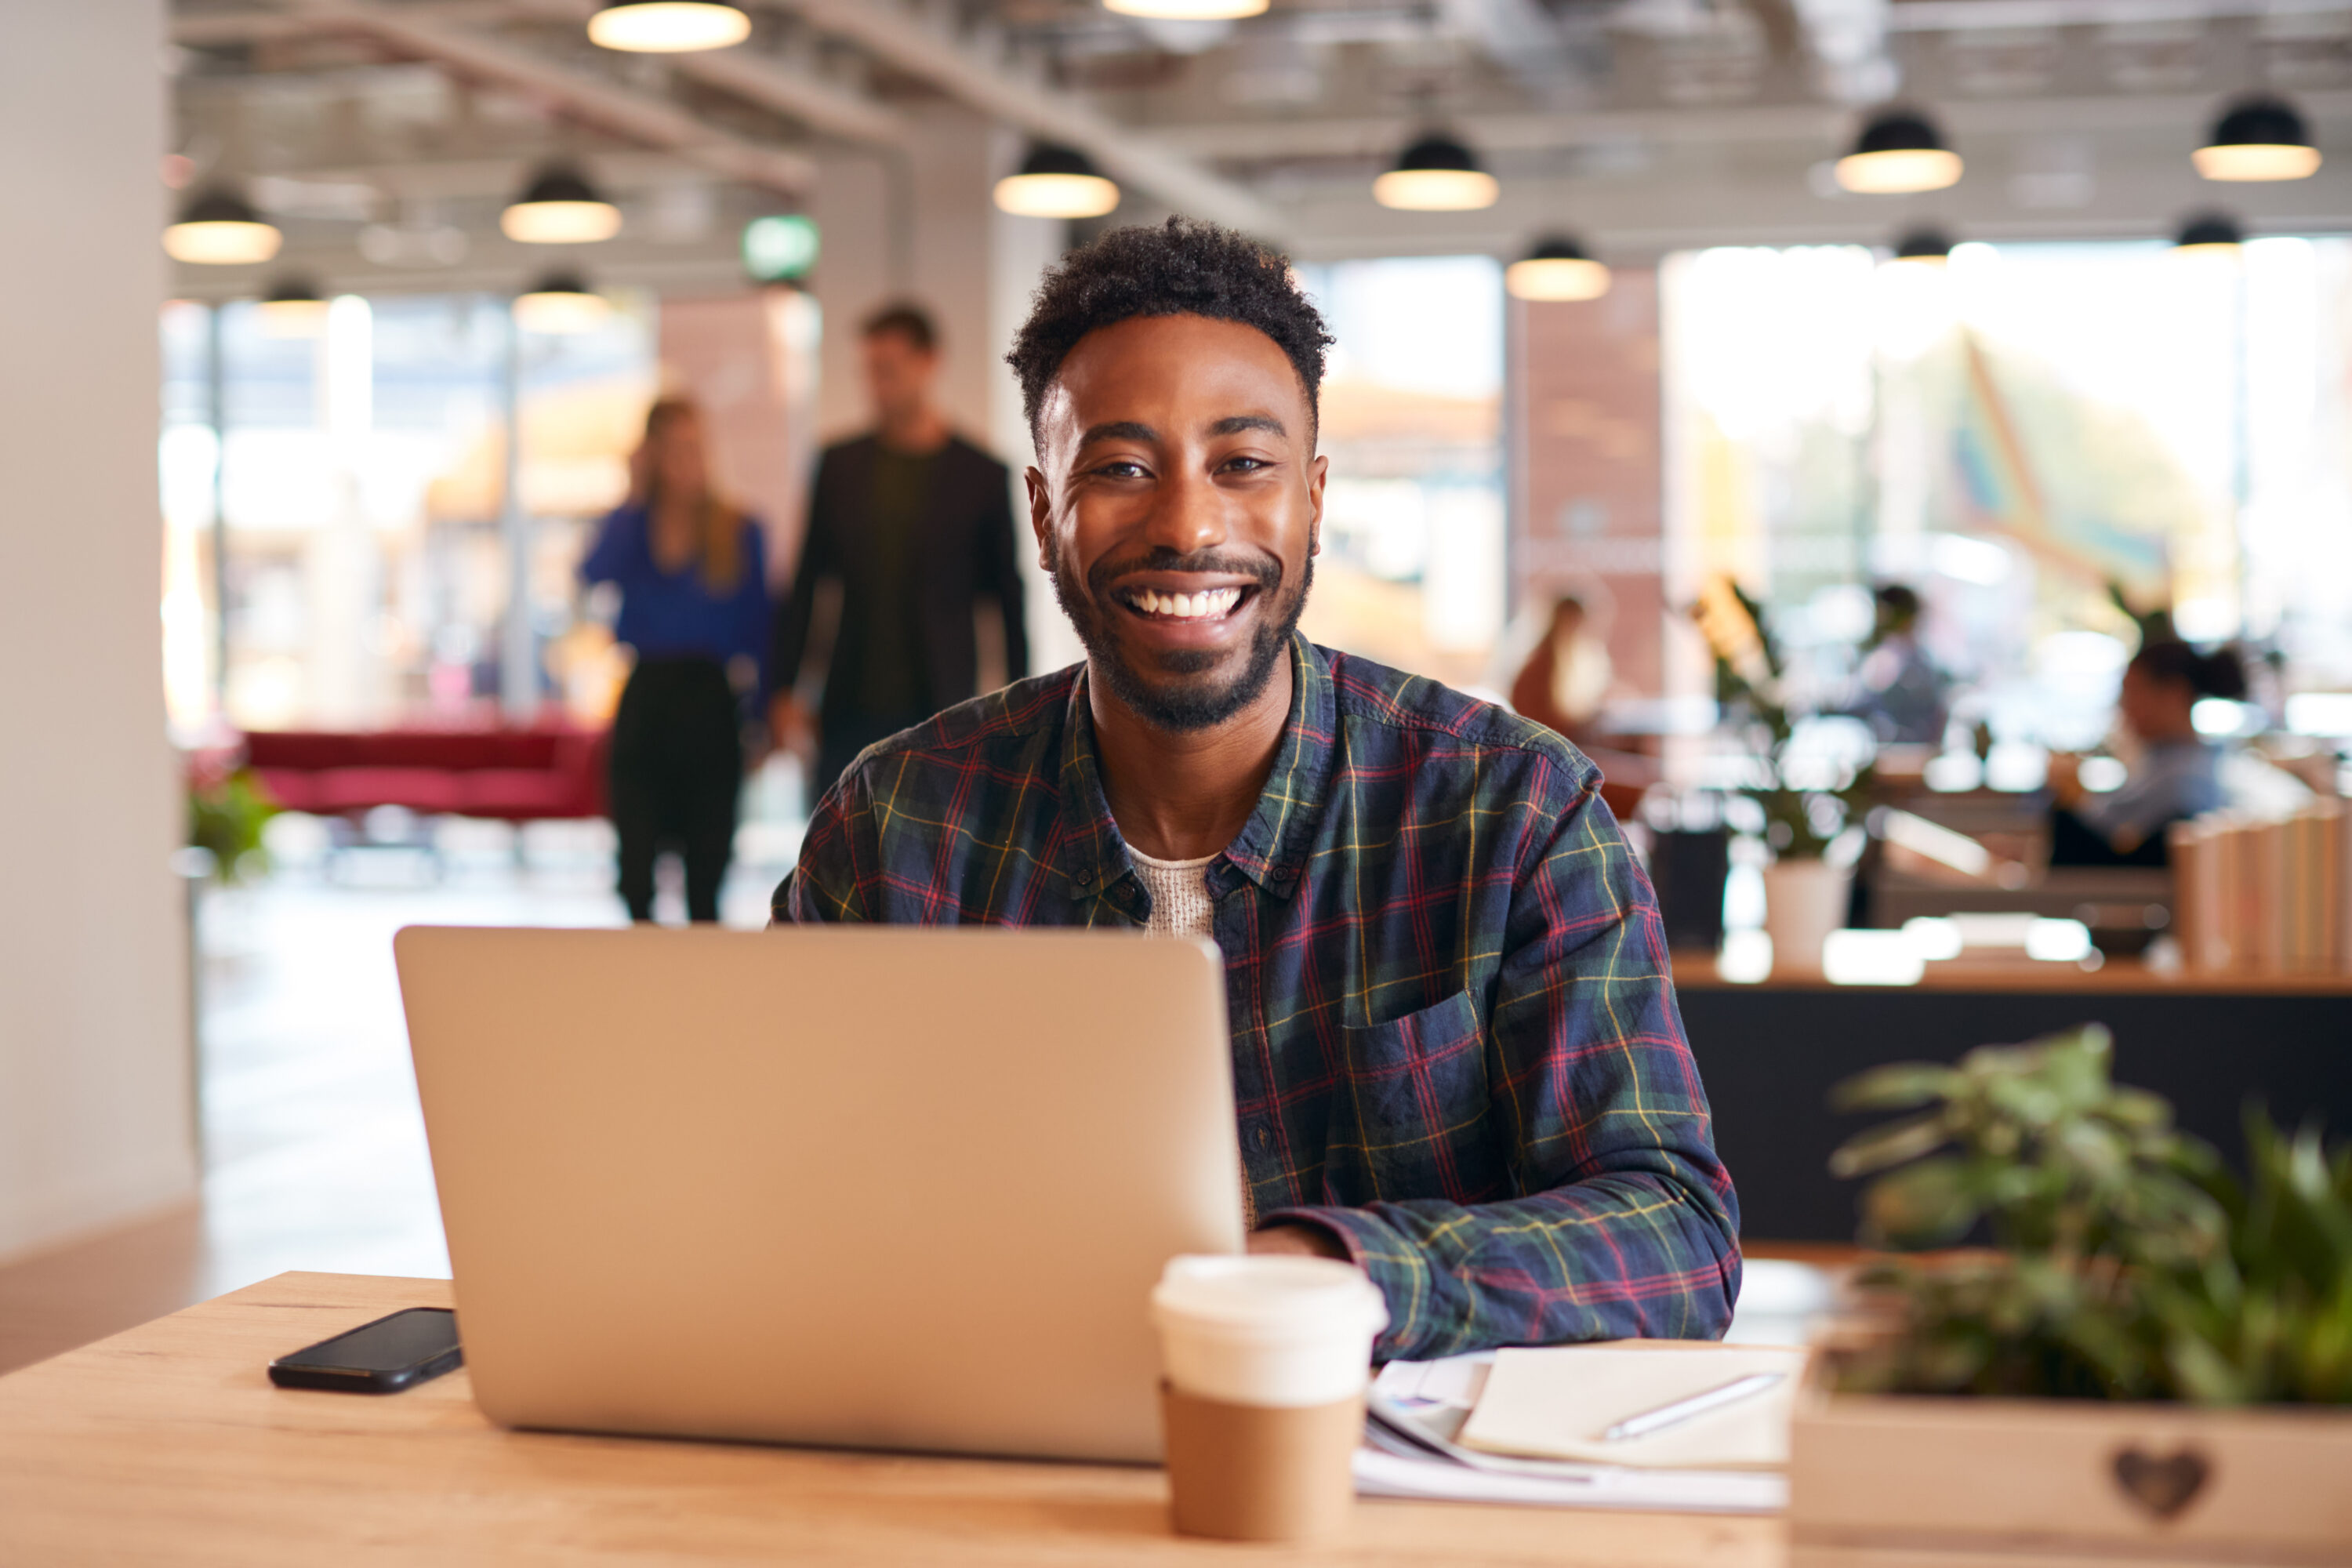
(1296, 1241)
(790, 725)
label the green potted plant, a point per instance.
(2153, 1356)
(227, 809)
(1805, 893)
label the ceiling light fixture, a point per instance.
(1437, 174)
(1899, 151)
(668, 26)
(1557, 269)
(560, 303)
(1188, 10)
(1056, 181)
(2209, 234)
(561, 208)
(1930, 245)
(221, 229)
(2258, 139)
(294, 308)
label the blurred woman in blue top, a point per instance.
(692, 571)
(2177, 776)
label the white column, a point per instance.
(94, 1058)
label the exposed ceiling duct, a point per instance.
(638, 116)
(998, 88)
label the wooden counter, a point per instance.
(167, 1444)
(1699, 971)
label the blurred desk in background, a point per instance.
(1770, 1053)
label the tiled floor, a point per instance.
(315, 1152)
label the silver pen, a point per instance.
(1682, 1410)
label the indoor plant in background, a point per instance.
(2153, 1356)
(1806, 802)
(228, 807)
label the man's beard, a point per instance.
(1183, 705)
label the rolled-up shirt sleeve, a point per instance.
(1626, 1224)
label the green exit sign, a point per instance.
(780, 247)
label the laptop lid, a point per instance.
(885, 1187)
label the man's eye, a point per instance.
(1120, 469)
(1246, 465)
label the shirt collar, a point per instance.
(1273, 846)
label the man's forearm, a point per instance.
(1634, 1255)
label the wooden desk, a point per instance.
(167, 1444)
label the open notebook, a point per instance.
(1416, 1443)
(1555, 1403)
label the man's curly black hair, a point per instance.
(1181, 268)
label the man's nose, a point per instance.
(1187, 513)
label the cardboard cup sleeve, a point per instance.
(1257, 1472)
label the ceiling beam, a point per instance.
(632, 115)
(765, 79)
(890, 31)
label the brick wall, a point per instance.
(1586, 481)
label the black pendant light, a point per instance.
(668, 26)
(220, 228)
(559, 303)
(293, 309)
(1557, 269)
(1056, 181)
(1899, 151)
(2259, 138)
(1187, 10)
(2209, 234)
(559, 207)
(1436, 174)
(1931, 244)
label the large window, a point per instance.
(2013, 431)
(1412, 572)
(358, 455)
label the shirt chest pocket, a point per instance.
(1410, 1111)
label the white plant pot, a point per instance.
(1804, 901)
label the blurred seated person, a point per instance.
(2177, 776)
(692, 571)
(1563, 684)
(1905, 698)
(1566, 677)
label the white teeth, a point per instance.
(1187, 606)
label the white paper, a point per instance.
(1431, 1400)
(1554, 1402)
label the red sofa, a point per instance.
(512, 775)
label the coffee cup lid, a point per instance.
(1270, 1295)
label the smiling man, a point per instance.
(1456, 1056)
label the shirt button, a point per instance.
(1265, 1137)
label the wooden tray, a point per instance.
(2008, 1483)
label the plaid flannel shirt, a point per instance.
(1454, 1039)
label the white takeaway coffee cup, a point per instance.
(1264, 1361)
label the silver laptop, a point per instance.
(878, 1187)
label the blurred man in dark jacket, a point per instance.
(914, 525)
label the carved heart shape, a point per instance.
(2163, 1487)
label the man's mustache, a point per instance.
(1264, 571)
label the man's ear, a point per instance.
(1317, 472)
(1041, 517)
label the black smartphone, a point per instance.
(383, 1357)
